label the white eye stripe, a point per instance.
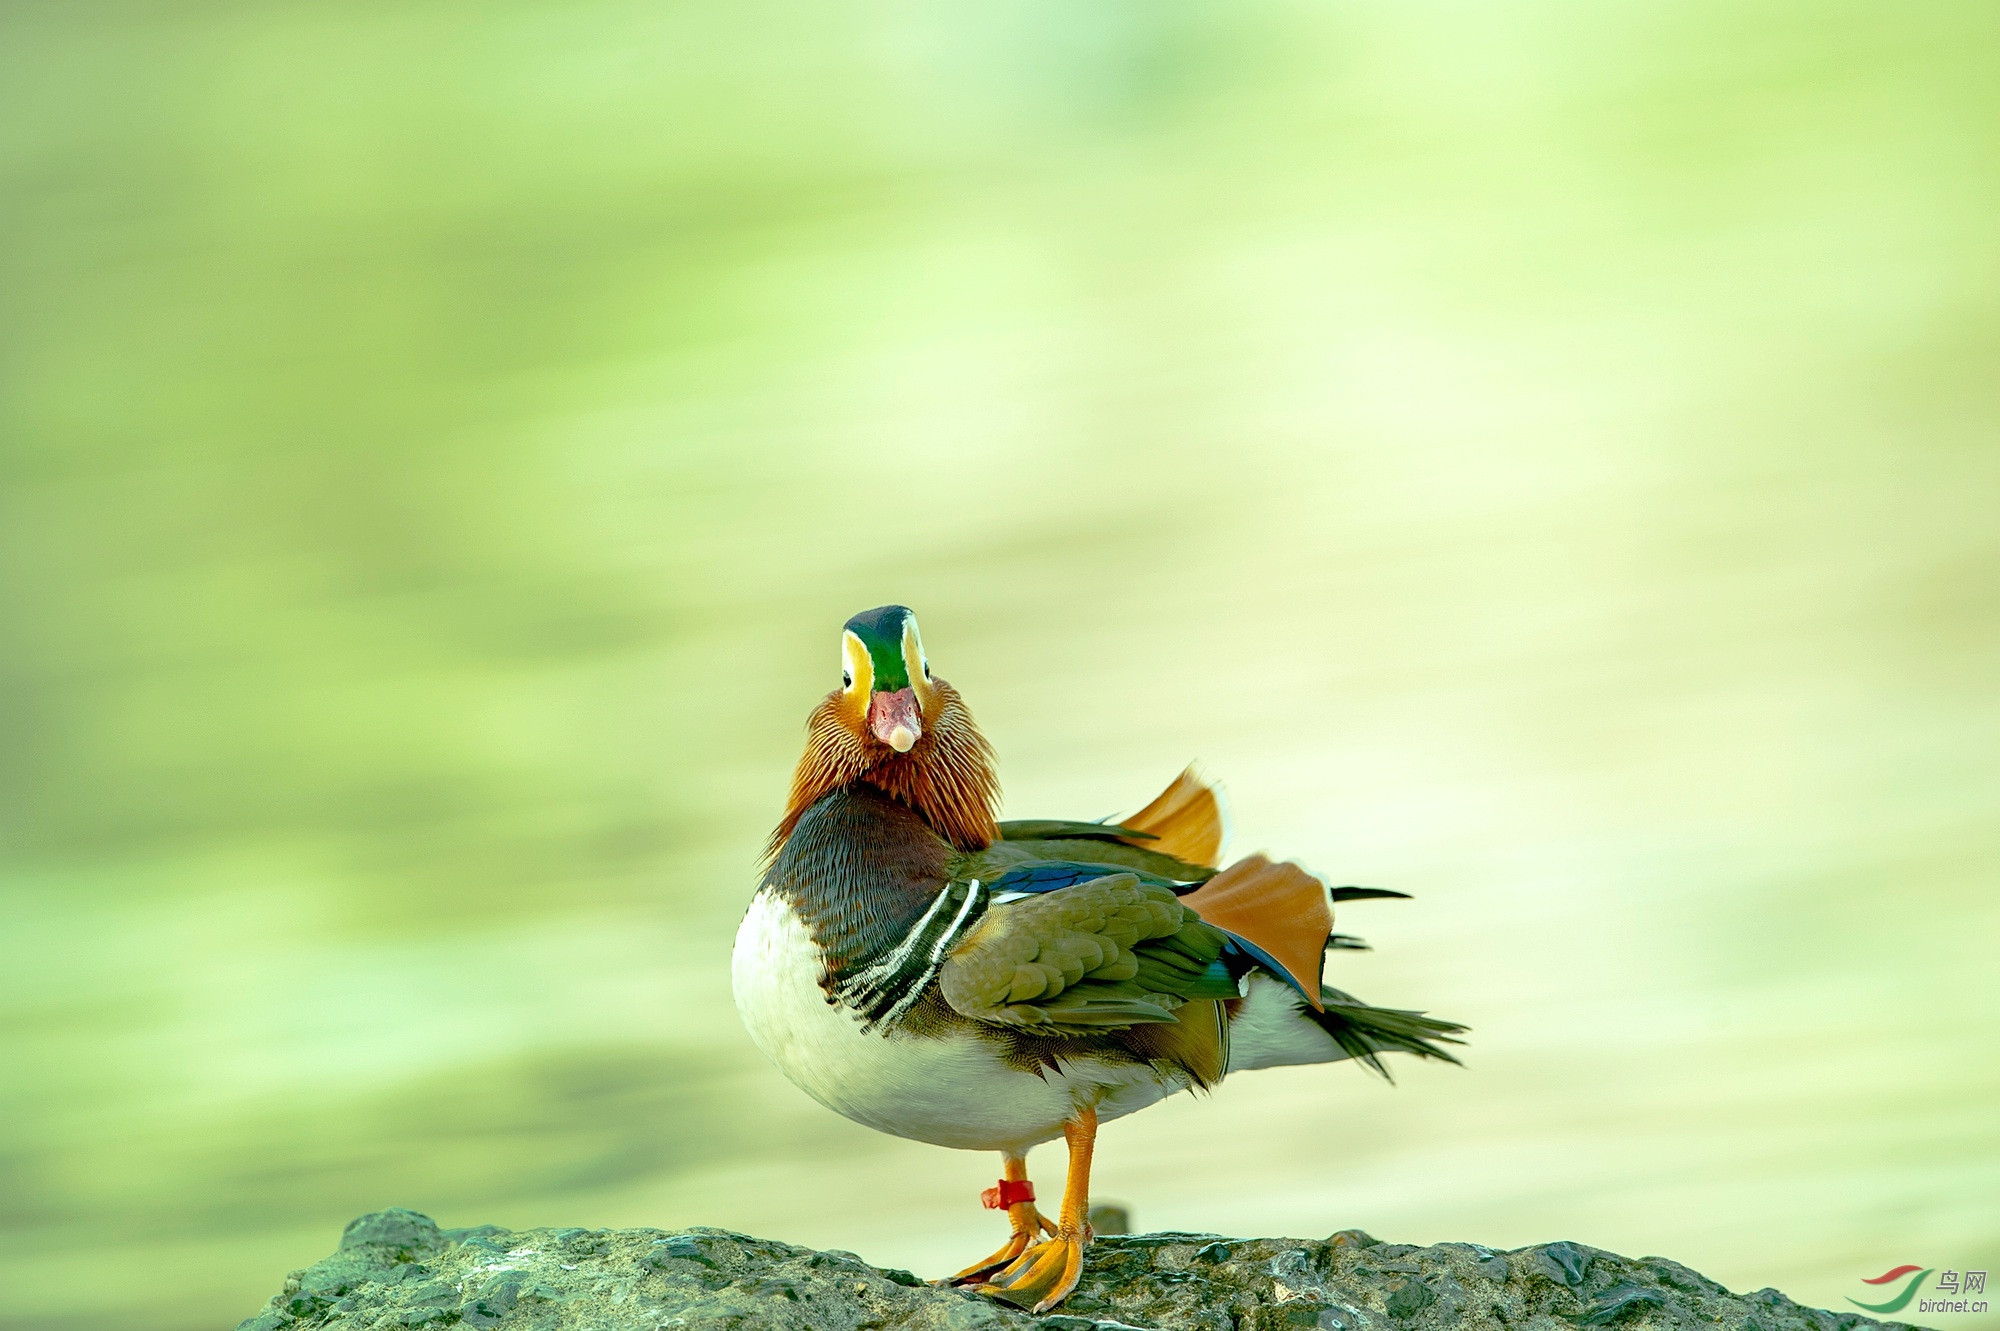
(915, 659)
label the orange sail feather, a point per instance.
(1187, 820)
(1279, 907)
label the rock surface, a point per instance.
(396, 1269)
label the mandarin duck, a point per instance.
(926, 970)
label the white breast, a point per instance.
(950, 1091)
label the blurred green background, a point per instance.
(1542, 458)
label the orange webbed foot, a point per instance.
(1017, 1243)
(1043, 1275)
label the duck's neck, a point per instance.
(947, 779)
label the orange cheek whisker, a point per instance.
(947, 775)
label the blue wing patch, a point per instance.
(1054, 875)
(1045, 876)
(1241, 954)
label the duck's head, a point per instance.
(895, 725)
(887, 695)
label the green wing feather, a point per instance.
(1112, 856)
(1050, 829)
(1104, 955)
(1121, 951)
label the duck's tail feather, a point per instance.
(1364, 1033)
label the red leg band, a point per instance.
(1009, 1192)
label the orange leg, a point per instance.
(1044, 1274)
(1022, 1218)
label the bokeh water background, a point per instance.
(1541, 457)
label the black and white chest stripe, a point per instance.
(886, 986)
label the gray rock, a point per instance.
(1409, 1297)
(404, 1231)
(1620, 1299)
(1565, 1262)
(396, 1269)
